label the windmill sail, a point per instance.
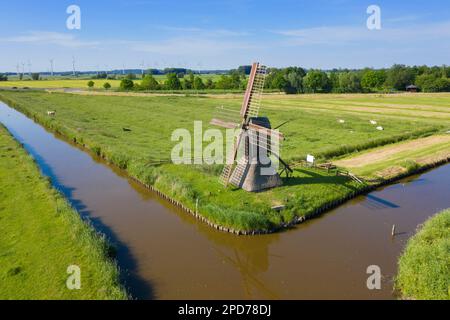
(253, 94)
(250, 108)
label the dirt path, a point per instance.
(386, 152)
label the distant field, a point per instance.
(79, 84)
(327, 126)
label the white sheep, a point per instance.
(380, 128)
(373, 122)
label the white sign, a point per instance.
(310, 158)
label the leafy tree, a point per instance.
(209, 84)
(433, 83)
(126, 84)
(149, 83)
(198, 84)
(276, 80)
(442, 85)
(91, 84)
(334, 82)
(235, 79)
(3, 77)
(317, 81)
(107, 85)
(294, 77)
(399, 77)
(35, 76)
(172, 82)
(245, 70)
(349, 82)
(373, 79)
(224, 83)
(188, 82)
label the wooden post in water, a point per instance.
(393, 230)
(196, 206)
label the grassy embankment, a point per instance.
(41, 235)
(98, 121)
(424, 267)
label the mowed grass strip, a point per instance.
(398, 158)
(41, 236)
(133, 132)
(424, 267)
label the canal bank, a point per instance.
(165, 253)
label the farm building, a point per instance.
(412, 88)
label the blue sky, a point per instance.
(223, 34)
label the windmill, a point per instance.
(253, 171)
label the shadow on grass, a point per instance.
(311, 177)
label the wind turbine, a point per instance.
(29, 68)
(23, 69)
(73, 66)
(142, 67)
(51, 66)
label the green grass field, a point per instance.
(424, 267)
(50, 83)
(41, 235)
(313, 128)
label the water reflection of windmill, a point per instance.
(257, 141)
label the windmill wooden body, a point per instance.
(257, 141)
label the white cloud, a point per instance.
(205, 32)
(54, 38)
(351, 34)
(190, 46)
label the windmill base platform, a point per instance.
(256, 177)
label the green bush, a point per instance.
(126, 84)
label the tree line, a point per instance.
(294, 80)
(178, 81)
(396, 78)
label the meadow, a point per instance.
(35, 268)
(74, 83)
(424, 266)
(133, 132)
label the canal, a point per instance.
(165, 253)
